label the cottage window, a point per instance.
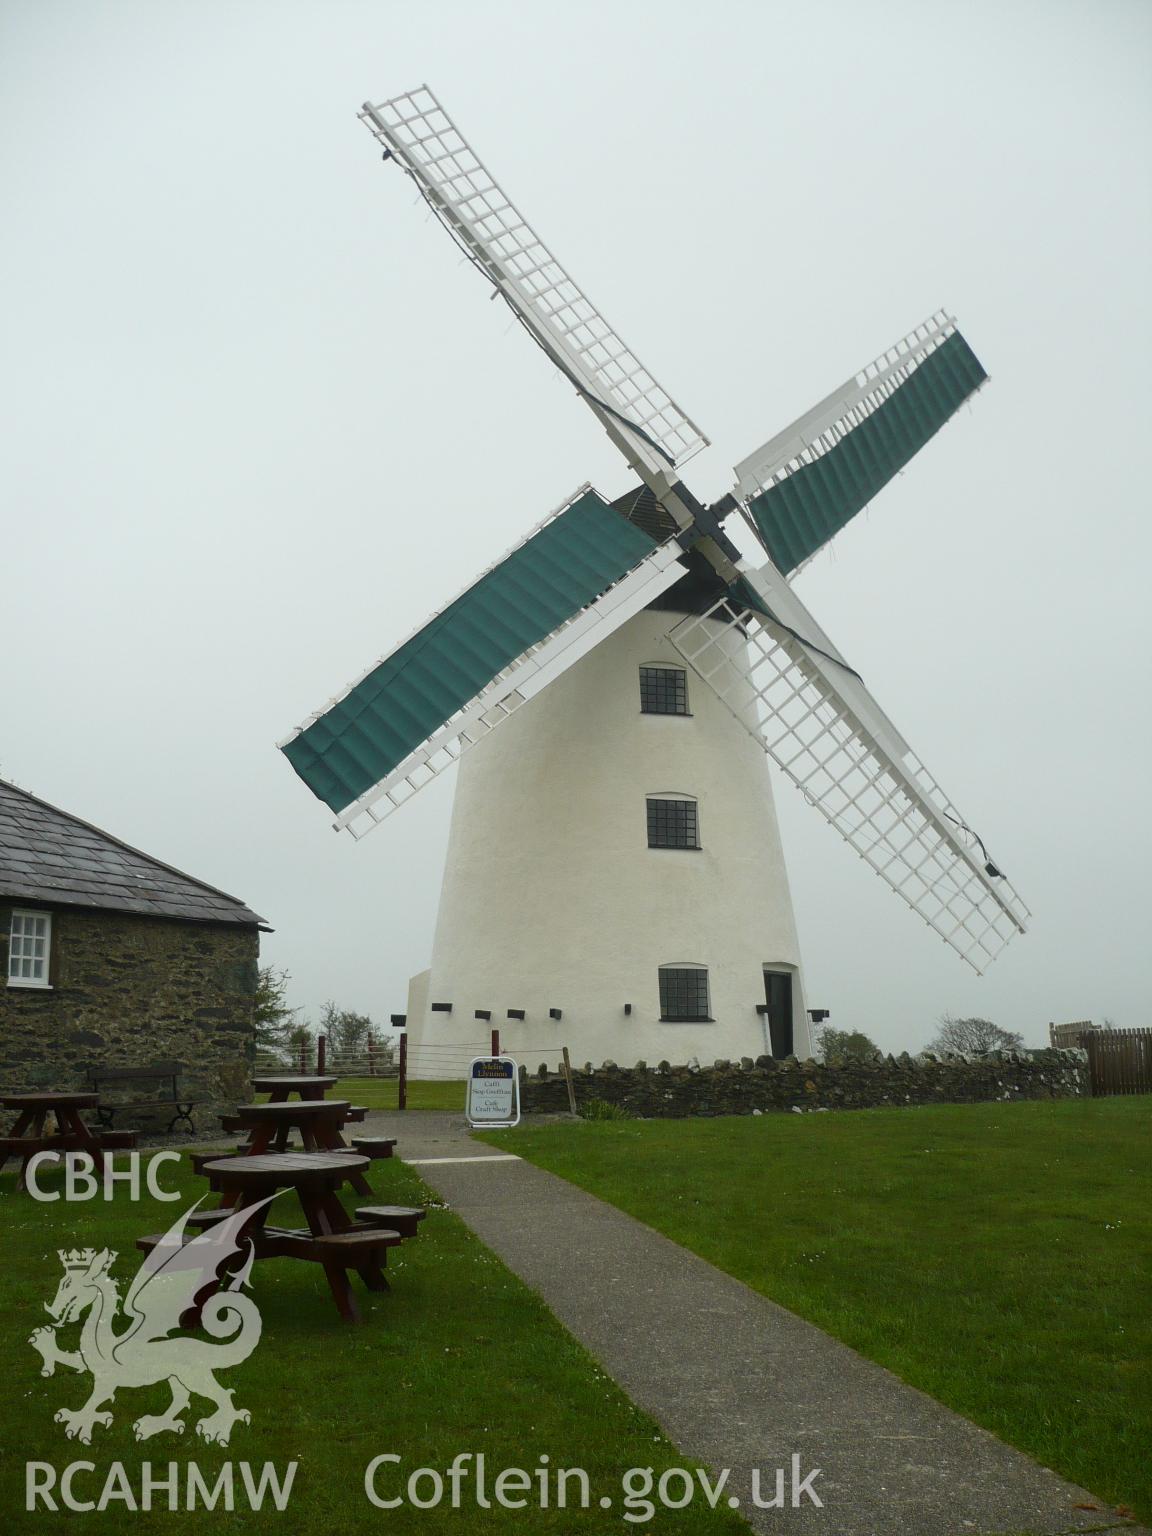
(673, 824)
(29, 947)
(663, 691)
(683, 994)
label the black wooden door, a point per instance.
(778, 992)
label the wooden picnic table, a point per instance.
(318, 1121)
(331, 1238)
(28, 1135)
(281, 1087)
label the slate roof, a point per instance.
(47, 855)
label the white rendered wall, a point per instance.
(553, 899)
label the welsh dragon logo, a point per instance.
(176, 1280)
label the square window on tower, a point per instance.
(683, 994)
(673, 824)
(663, 691)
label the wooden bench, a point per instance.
(355, 1246)
(364, 1249)
(373, 1146)
(113, 1139)
(359, 1248)
(404, 1219)
(23, 1146)
(28, 1146)
(208, 1218)
(161, 1074)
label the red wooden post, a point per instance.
(321, 1055)
(402, 1085)
(495, 1042)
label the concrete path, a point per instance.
(733, 1379)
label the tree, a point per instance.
(273, 1017)
(843, 1047)
(966, 1036)
(348, 1032)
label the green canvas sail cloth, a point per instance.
(803, 511)
(569, 563)
(745, 595)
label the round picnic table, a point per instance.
(280, 1088)
(318, 1120)
(28, 1136)
(332, 1238)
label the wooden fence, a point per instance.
(1064, 1035)
(1119, 1060)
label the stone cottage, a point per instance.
(114, 959)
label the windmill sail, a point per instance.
(802, 486)
(468, 201)
(591, 566)
(584, 570)
(817, 721)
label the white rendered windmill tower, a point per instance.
(614, 870)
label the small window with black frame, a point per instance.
(673, 824)
(663, 691)
(683, 994)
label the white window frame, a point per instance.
(41, 982)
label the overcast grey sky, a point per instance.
(260, 420)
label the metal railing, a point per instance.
(396, 1059)
(317, 1057)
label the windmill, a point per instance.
(614, 861)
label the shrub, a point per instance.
(601, 1109)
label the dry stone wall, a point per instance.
(741, 1088)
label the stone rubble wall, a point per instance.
(744, 1087)
(130, 991)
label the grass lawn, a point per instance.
(996, 1255)
(459, 1357)
(380, 1093)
